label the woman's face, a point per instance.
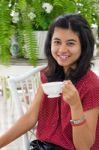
(65, 47)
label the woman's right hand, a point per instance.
(70, 93)
(25, 123)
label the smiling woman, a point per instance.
(69, 120)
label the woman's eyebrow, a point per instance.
(68, 40)
(71, 40)
(56, 38)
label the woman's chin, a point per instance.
(63, 63)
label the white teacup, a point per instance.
(52, 89)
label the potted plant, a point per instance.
(44, 12)
(17, 36)
(22, 18)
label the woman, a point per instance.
(70, 121)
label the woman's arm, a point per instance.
(83, 135)
(25, 123)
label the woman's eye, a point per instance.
(56, 42)
(70, 43)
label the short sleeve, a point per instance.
(88, 88)
(43, 77)
(91, 98)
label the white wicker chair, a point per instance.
(22, 90)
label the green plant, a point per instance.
(90, 10)
(6, 30)
(14, 20)
(26, 36)
(21, 18)
(44, 11)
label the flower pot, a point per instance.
(41, 37)
(14, 49)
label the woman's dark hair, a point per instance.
(78, 24)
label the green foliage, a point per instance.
(22, 29)
(26, 37)
(6, 30)
(43, 18)
(33, 15)
(88, 8)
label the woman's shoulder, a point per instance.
(43, 75)
(92, 78)
(88, 87)
(89, 80)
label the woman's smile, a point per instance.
(63, 57)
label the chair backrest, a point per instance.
(22, 89)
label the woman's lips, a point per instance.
(63, 57)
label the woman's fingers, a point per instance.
(70, 93)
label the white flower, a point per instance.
(79, 12)
(79, 4)
(9, 4)
(15, 16)
(12, 13)
(94, 25)
(15, 19)
(47, 7)
(31, 15)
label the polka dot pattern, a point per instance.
(54, 116)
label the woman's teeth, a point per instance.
(64, 56)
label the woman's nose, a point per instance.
(63, 48)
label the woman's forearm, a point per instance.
(82, 136)
(24, 124)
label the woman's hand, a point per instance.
(70, 93)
